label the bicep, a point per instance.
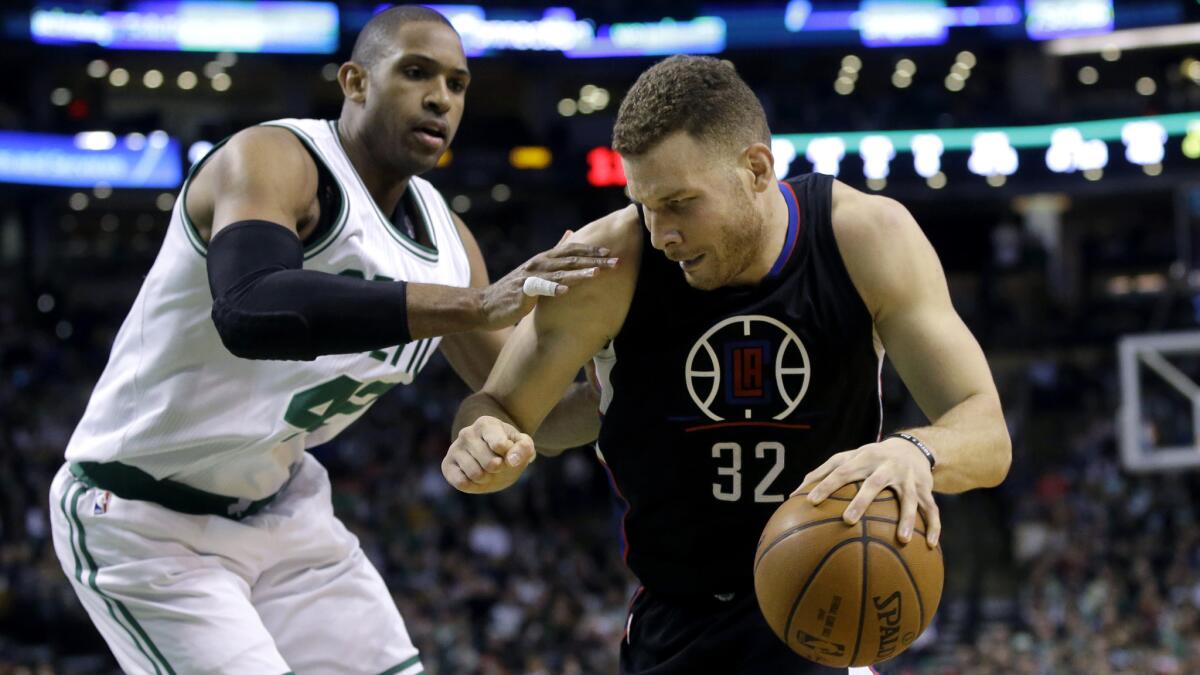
(933, 351)
(546, 350)
(539, 361)
(899, 276)
(936, 356)
(473, 354)
(262, 173)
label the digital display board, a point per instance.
(89, 159)
(1045, 19)
(195, 25)
(559, 29)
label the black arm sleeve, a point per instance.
(266, 307)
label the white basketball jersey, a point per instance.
(173, 402)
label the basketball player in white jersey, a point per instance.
(306, 270)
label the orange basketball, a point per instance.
(845, 595)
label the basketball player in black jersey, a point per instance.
(738, 361)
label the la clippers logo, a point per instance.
(748, 367)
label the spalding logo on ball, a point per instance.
(845, 595)
(750, 367)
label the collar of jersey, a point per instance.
(793, 230)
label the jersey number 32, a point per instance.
(728, 487)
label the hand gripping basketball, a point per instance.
(892, 463)
(845, 595)
(828, 575)
(488, 456)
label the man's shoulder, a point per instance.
(619, 231)
(601, 304)
(871, 226)
(879, 241)
(858, 214)
(265, 142)
(267, 156)
(260, 165)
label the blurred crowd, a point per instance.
(1108, 571)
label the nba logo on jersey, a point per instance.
(100, 507)
(750, 367)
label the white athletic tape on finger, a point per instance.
(539, 286)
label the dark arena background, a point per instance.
(1050, 149)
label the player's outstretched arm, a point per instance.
(446, 310)
(899, 277)
(538, 363)
(573, 421)
(258, 190)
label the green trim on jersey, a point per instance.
(315, 247)
(421, 360)
(421, 251)
(92, 571)
(312, 248)
(404, 665)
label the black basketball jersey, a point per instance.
(717, 403)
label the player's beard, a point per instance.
(740, 240)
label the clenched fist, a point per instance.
(487, 456)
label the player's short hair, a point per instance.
(698, 94)
(372, 42)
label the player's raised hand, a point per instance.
(891, 463)
(487, 456)
(550, 273)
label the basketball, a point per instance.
(845, 595)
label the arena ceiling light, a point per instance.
(1070, 147)
(529, 157)
(1124, 40)
(1021, 137)
(97, 68)
(95, 140)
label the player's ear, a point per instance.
(758, 159)
(353, 79)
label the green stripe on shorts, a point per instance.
(92, 568)
(79, 570)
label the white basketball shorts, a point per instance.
(286, 590)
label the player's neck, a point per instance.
(775, 225)
(383, 185)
